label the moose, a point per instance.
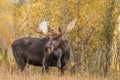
(52, 50)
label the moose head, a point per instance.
(56, 39)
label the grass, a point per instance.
(10, 72)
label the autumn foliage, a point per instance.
(94, 42)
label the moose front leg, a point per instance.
(59, 61)
(58, 53)
(46, 63)
(45, 66)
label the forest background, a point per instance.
(94, 41)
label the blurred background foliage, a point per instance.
(94, 42)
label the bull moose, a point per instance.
(52, 50)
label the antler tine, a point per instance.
(55, 34)
(40, 32)
(51, 31)
(60, 30)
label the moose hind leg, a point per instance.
(21, 64)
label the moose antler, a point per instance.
(45, 29)
(43, 26)
(35, 30)
(71, 25)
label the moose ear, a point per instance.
(71, 25)
(43, 26)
